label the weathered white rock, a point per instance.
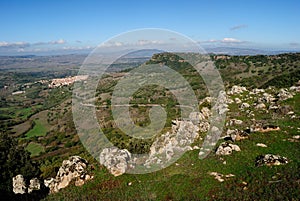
(72, 169)
(266, 98)
(19, 185)
(257, 91)
(244, 105)
(237, 100)
(115, 160)
(260, 106)
(180, 138)
(233, 122)
(261, 145)
(284, 94)
(236, 90)
(270, 159)
(226, 148)
(34, 184)
(220, 177)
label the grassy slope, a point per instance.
(38, 130)
(189, 178)
(35, 149)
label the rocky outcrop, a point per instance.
(116, 160)
(73, 169)
(19, 185)
(270, 159)
(180, 138)
(226, 148)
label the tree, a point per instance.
(14, 160)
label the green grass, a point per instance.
(38, 130)
(35, 149)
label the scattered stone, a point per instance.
(284, 94)
(257, 91)
(270, 159)
(260, 106)
(266, 98)
(233, 122)
(226, 148)
(220, 177)
(236, 90)
(236, 135)
(261, 145)
(115, 160)
(19, 186)
(297, 137)
(244, 105)
(267, 128)
(237, 100)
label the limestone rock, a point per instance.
(270, 159)
(261, 145)
(72, 169)
(284, 94)
(237, 90)
(260, 106)
(244, 105)
(226, 148)
(115, 160)
(34, 184)
(19, 186)
(237, 100)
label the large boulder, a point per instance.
(226, 148)
(19, 185)
(72, 169)
(115, 160)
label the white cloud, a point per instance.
(149, 42)
(14, 44)
(224, 40)
(230, 40)
(112, 44)
(60, 41)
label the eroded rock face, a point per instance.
(115, 160)
(19, 185)
(226, 148)
(179, 139)
(72, 169)
(270, 159)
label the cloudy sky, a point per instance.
(34, 26)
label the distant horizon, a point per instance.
(211, 50)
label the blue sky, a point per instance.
(41, 25)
